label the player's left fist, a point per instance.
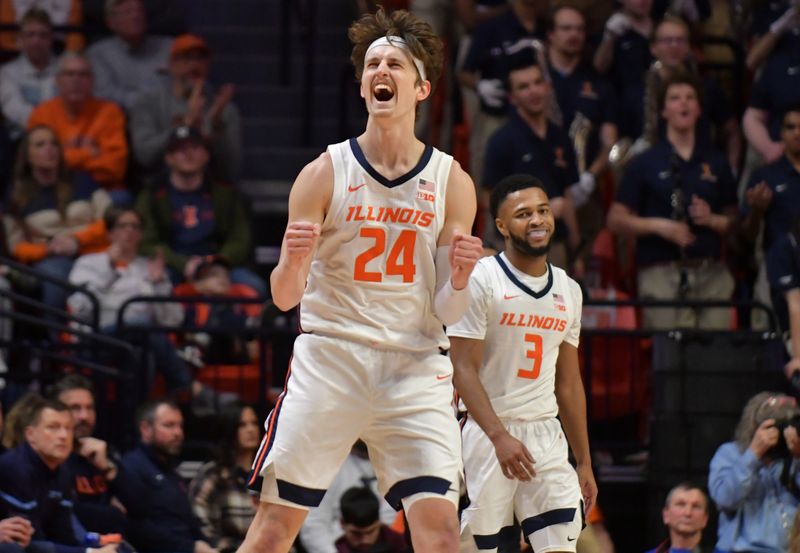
(465, 251)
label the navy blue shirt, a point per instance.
(515, 148)
(647, 187)
(494, 42)
(193, 221)
(93, 496)
(160, 516)
(784, 181)
(586, 92)
(632, 59)
(778, 87)
(783, 273)
(28, 488)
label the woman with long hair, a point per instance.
(52, 216)
(219, 491)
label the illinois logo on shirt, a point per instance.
(706, 173)
(425, 190)
(190, 219)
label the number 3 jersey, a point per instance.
(522, 320)
(373, 276)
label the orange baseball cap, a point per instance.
(187, 43)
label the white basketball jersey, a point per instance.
(373, 277)
(523, 320)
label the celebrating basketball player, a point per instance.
(515, 354)
(377, 253)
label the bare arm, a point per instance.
(571, 399)
(604, 56)
(793, 302)
(467, 356)
(608, 136)
(308, 202)
(762, 48)
(733, 142)
(460, 208)
(754, 123)
(624, 222)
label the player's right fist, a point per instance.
(301, 239)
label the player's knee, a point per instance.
(273, 529)
(434, 527)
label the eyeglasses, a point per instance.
(672, 40)
(76, 73)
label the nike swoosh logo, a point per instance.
(352, 188)
(570, 539)
(507, 297)
(442, 376)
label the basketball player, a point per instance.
(515, 354)
(377, 249)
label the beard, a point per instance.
(521, 245)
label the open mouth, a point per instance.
(539, 234)
(382, 92)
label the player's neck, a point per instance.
(392, 150)
(533, 266)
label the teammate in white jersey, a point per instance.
(515, 354)
(378, 254)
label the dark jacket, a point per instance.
(160, 516)
(28, 488)
(93, 494)
(231, 241)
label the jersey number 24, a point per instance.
(400, 260)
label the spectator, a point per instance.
(219, 491)
(323, 525)
(160, 517)
(750, 479)
(18, 418)
(186, 98)
(128, 63)
(485, 69)
(531, 144)
(91, 130)
(679, 198)
(587, 108)
(30, 78)
(92, 467)
(624, 53)
(773, 193)
(190, 216)
(61, 13)
(35, 485)
(52, 216)
(685, 515)
(119, 274)
(212, 279)
(363, 529)
(774, 26)
(669, 45)
(775, 91)
(783, 272)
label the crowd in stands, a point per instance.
(119, 166)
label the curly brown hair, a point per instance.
(420, 37)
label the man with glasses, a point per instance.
(30, 78)
(91, 130)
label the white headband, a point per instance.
(398, 42)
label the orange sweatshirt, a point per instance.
(93, 142)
